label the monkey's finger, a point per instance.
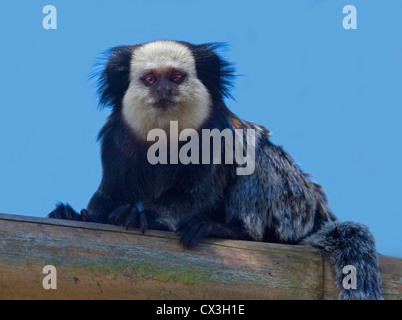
(202, 232)
(192, 233)
(118, 216)
(70, 214)
(63, 211)
(57, 213)
(131, 218)
(85, 215)
(143, 222)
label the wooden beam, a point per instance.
(97, 261)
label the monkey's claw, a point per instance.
(137, 219)
(129, 216)
(143, 222)
(118, 216)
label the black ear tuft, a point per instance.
(215, 72)
(113, 75)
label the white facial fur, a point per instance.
(192, 105)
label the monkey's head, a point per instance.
(154, 83)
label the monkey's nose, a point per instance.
(164, 91)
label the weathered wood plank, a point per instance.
(96, 261)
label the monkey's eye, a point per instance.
(149, 80)
(177, 77)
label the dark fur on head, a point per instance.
(113, 76)
(215, 72)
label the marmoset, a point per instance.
(152, 85)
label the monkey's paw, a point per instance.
(129, 216)
(64, 211)
(192, 230)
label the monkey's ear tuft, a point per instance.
(112, 75)
(215, 72)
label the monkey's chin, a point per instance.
(163, 104)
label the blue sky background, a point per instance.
(331, 96)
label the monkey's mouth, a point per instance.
(163, 103)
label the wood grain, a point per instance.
(97, 261)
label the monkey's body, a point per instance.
(277, 203)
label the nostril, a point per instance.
(164, 92)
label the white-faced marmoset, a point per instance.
(148, 86)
